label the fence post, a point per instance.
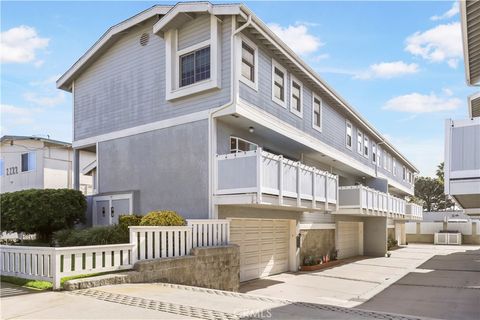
(280, 180)
(56, 270)
(133, 240)
(259, 175)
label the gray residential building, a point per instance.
(202, 109)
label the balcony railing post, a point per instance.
(259, 175)
(280, 180)
(314, 204)
(299, 200)
(326, 192)
(337, 193)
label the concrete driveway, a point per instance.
(354, 283)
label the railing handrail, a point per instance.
(160, 228)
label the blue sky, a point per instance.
(399, 63)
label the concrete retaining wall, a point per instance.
(418, 237)
(213, 267)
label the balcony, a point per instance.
(462, 163)
(260, 178)
(414, 211)
(364, 201)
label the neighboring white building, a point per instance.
(39, 163)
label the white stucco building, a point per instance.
(39, 163)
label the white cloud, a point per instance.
(453, 11)
(421, 103)
(17, 116)
(387, 70)
(442, 43)
(43, 100)
(20, 44)
(8, 109)
(297, 38)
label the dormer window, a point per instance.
(195, 66)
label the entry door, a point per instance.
(102, 212)
(264, 246)
(108, 208)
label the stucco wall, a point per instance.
(375, 236)
(167, 168)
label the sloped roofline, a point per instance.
(33, 138)
(170, 12)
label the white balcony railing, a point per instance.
(261, 172)
(364, 198)
(415, 211)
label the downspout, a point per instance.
(211, 112)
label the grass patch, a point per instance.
(45, 285)
(28, 283)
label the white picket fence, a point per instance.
(52, 264)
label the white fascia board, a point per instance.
(265, 119)
(192, 117)
(284, 49)
(463, 22)
(64, 81)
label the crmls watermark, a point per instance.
(254, 314)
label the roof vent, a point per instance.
(144, 39)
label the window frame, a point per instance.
(366, 146)
(394, 167)
(374, 153)
(251, 44)
(300, 84)
(314, 125)
(379, 156)
(347, 123)
(276, 65)
(31, 155)
(242, 139)
(359, 139)
(180, 56)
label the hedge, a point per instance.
(41, 211)
(162, 218)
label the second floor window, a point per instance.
(195, 66)
(374, 153)
(317, 113)
(404, 173)
(248, 62)
(366, 146)
(296, 98)
(359, 142)
(278, 85)
(379, 156)
(394, 167)
(28, 161)
(349, 137)
(241, 145)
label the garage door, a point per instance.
(263, 245)
(349, 239)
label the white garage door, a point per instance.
(263, 245)
(349, 239)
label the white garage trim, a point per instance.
(317, 226)
(349, 239)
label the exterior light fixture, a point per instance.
(251, 129)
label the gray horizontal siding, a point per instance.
(125, 87)
(167, 169)
(333, 122)
(465, 146)
(194, 31)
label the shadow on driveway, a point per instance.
(444, 287)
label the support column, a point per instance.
(76, 169)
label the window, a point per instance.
(241, 145)
(348, 140)
(296, 97)
(385, 162)
(389, 162)
(248, 62)
(394, 167)
(279, 75)
(379, 156)
(317, 113)
(359, 142)
(195, 66)
(366, 146)
(28, 161)
(404, 173)
(410, 177)
(374, 152)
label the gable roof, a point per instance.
(256, 26)
(66, 80)
(15, 138)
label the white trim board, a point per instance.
(317, 226)
(201, 115)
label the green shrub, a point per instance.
(129, 220)
(41, 211)
(391, 243)
(91, 236)
(162, 218)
